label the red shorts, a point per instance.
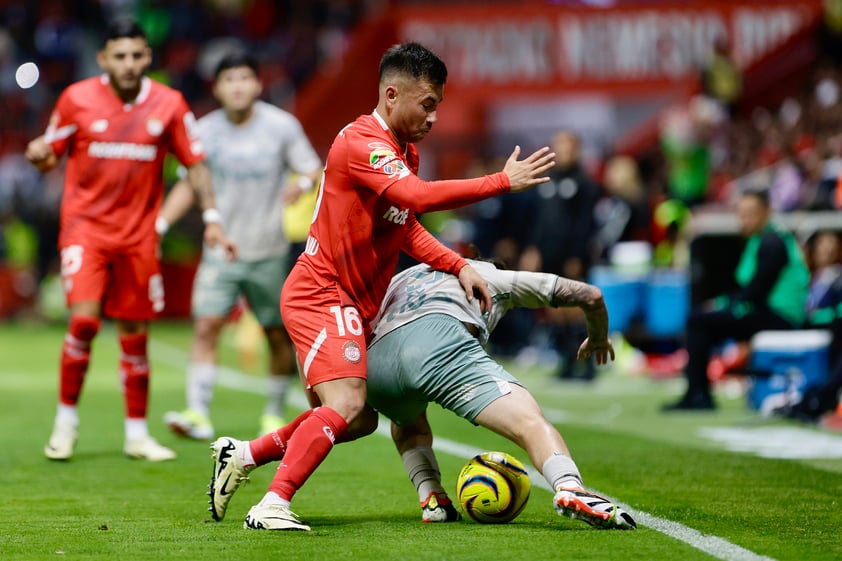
(127, 283)
(325, 327)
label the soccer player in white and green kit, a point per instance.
(260, 159)
(427, 347)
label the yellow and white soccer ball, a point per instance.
(493, 488)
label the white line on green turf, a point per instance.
(712, 545)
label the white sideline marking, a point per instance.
(777, 442)
(717, 547)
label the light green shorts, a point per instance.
(219, 284)
(433, 358)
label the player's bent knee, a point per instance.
(346, 396)
(363, 424)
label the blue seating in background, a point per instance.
(660, 298)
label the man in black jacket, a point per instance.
(772, 280)
(560, 242)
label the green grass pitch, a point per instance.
(693, 498)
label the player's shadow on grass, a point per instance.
(317, 522)
(413, 520)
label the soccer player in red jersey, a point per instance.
(365, 215)
(116, 130)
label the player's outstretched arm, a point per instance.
(530, 171)
(40, 154)
(589, 298)
(430, 196)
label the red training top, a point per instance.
(113, 185)
(365, 213)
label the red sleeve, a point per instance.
(374, 164)
(424, 247)
(185, 140)
(62, 127)
(429, 196)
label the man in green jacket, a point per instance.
(772, 285)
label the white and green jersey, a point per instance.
(421, 290)
(249, 165)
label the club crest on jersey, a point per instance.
(351, 352)
(154, 126)
(100, 125)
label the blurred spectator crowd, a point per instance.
(707, 150)
(290, 38)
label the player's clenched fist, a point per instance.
(40, 154)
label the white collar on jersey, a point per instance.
(383, 124)
(380, 120)
(145, 86)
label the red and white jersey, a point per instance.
(365, 213)
(113, 185)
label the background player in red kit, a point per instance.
(116, 130)
(365, 216)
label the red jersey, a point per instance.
(365, 213)
(113, 186)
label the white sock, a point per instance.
(276, 394)
(247, 458)
(423, 470)
(561, 471)
(67, 414)
(201, 377)
(272, 498)
(136, 429)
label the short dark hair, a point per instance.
(235, 59)
(759, 193)
(415, 60)
(123, 28)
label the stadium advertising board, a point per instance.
(542, 47)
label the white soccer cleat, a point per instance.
(439, 508)
(593, 509)
(228, 473)
(62, 441)
(189, 424)
(273, 517)
(147, 448)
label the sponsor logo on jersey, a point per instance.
(382, 157)
(397, 215)
(100, 125)
(154, 126)
(123, 151)
(351, 352)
